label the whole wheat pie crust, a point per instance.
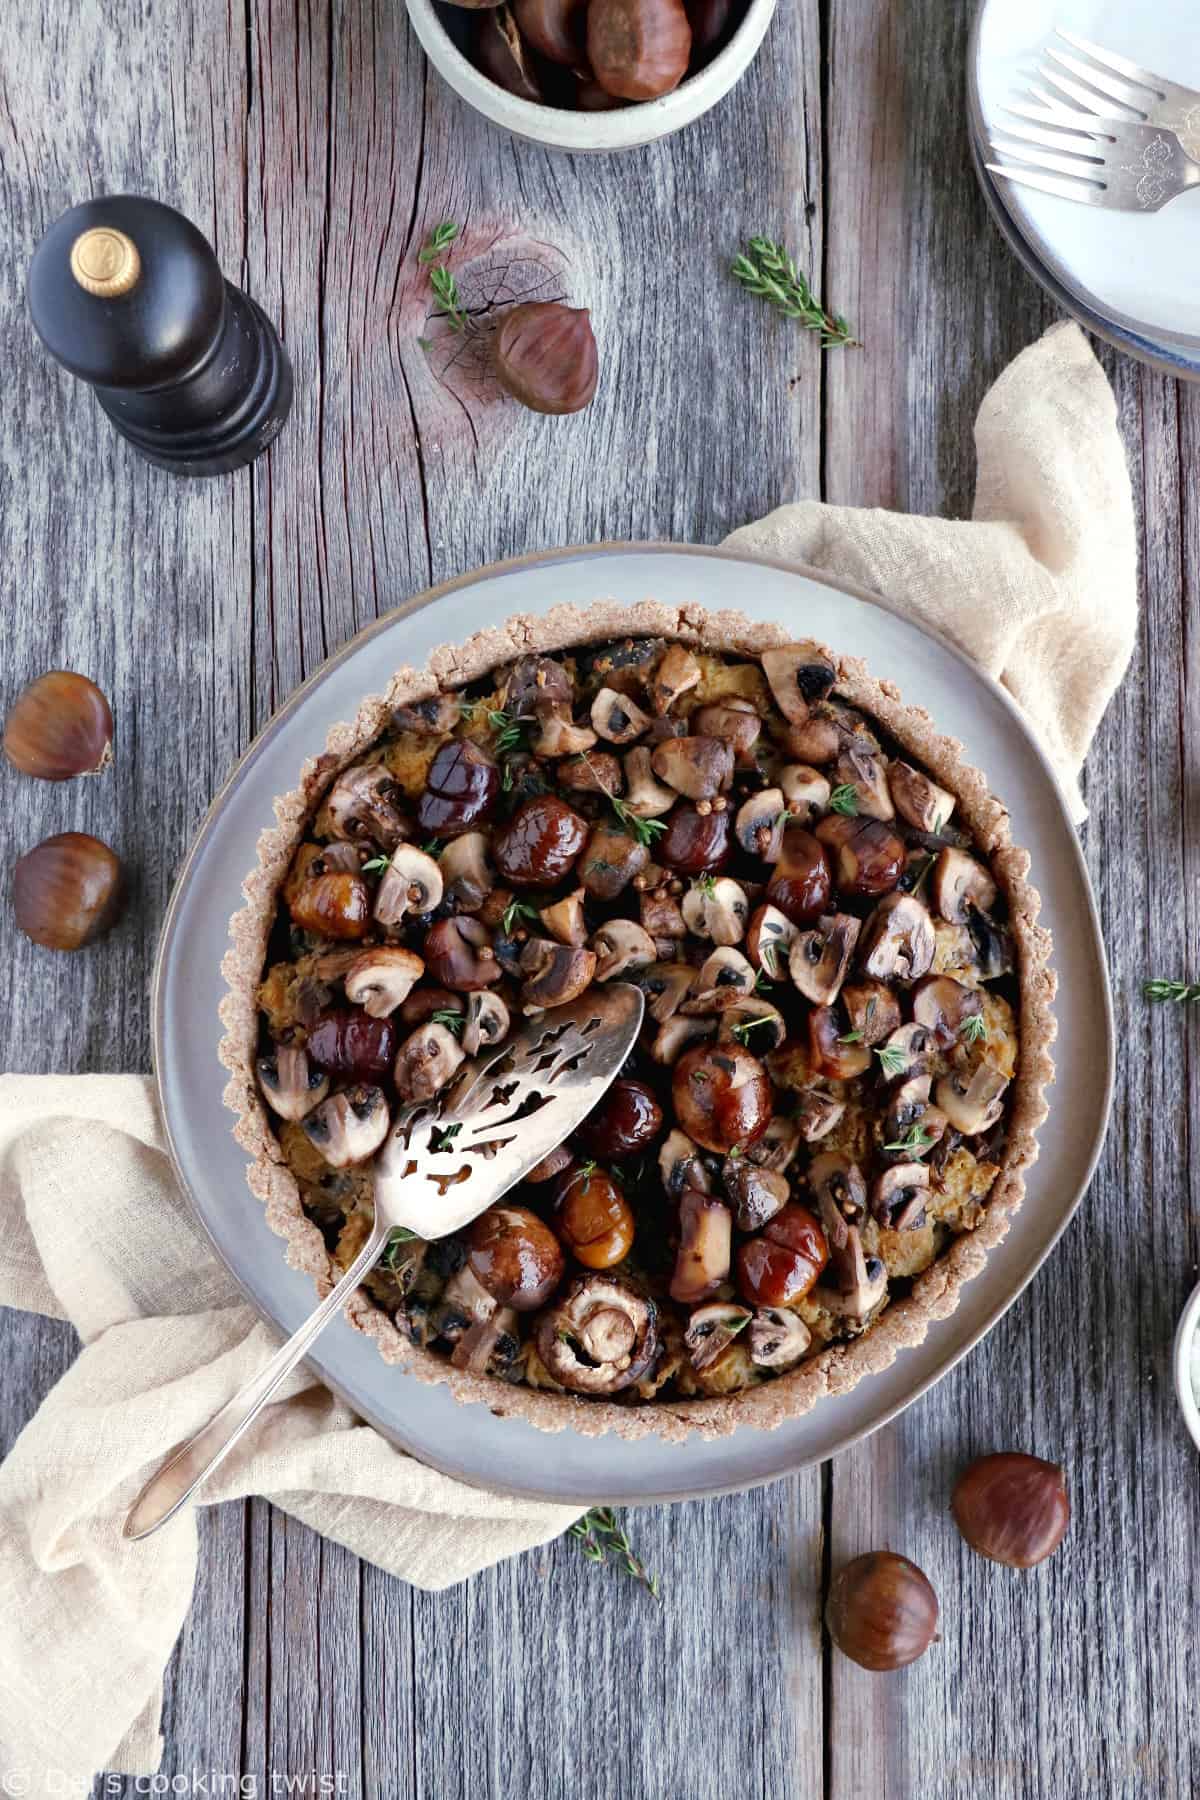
(932, 1293)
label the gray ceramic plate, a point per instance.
(469, 1441)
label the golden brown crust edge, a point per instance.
(935, 1293)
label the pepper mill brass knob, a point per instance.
(126, 294)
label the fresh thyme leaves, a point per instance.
(851, 1037)
(585, 1171)
(599, 1537)
(844, 800)
(439, 239)
(762, 983)
(376, 866)
(770, 956)
(915, 1141)
(513, 912)
(742, 1031)
(453, 1021)
(644, 830)
(446, 290)
(400, 1236)
(704, 884)
(765, 268)
(973, 1030)
(1180, 993)
(433, 847)
(736, 1322)
(441, 1138)
(892, 1059)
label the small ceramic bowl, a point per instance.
(1185, 1340)
(638, 123)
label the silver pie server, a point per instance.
(443, 1162)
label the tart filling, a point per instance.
(825, 1120)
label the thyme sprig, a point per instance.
(742, 1031)
(915, 1141)
(844, 800)
(400, 1236)
(892, 1060)
(513, 912)
(439, 239)
(1179, 993)
(764, 268)
(973, 1030)
(441, 280)
(599, 1536)
(643, 831)
(377, 865)
(453, 1021)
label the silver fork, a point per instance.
(1123, 164)
(1098, 78)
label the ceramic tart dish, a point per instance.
(826, 1123)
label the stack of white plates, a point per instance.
(1132, 278)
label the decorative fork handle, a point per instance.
(184, 1470)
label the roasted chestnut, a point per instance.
(460, 789)
(515, 1257)
(593, 1218)
(638, 48)
(67, 891)
(801, 884)
(785, 1259)
(868, 856)
(348, 1042)
(694, 843)
(882, 1611)
(335, 905)
(722, 1096)
(61, 725)
(627, 1119)
(500, 53)
(538, 846)
(458, 954)
(1012, 1508)
(557, 29)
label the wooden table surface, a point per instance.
(315, 147)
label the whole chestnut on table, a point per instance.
(544, 354)
(460, 789)
(593, 1218)
(348, 1042)
(1012, 1508)
(785, 1259)
(882, 1611)
(638, 48)
(722, 1096)
(627, 1119)
(60, 725)
(515, 1257)
(802, 883)
(694, 843)
(67, 891)
(539, 845)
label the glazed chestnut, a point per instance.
(61, 725)
(694, 843)
(544, 355)
(515, 1257)
(638, 48)
(801, 885)
(627, 1119)
(882, 1611)
(593, 1218)
(67, 891)
(458, 954)
(556, 29)
(460, 789)
(868, 856)
(781, 1264)
(538, 846)
(722, 1096)
(335, 905)
(501, 54)
(1012, 1508)
(348, 1042)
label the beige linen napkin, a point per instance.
(94, 1229)
(1040, 585)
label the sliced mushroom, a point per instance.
(960, 885)
(805, 790)
(755, 1194)
(905, 1051)
(464, 1302)
(872, 1009)
(755, 1023)
(993, 946)
(862, 1282)
(536, 681)
(675, 675)
(866, 773)
(616, 717)
(489, 1346)
(841, 1196)
(799, 674)
(819, 959)
(898, 1195)
(769, 940)
(349, 1126)
(696, 767)
(899, 942)
(816, 739)
(564, 919)
(599, 773)
(974, 1102)
(716, 907)
(944, 1005)
(600, 1338)
(645, 797)
(817, 1113)
(551, 1165)
(426, 1061)
(466, 873)
(555, 973)
(681, 1166)
(558, 734)
(433, 717)
(362, 803)
(486, 1022)
(705, 1247)
(609, 861)
(621, 945)
(760, 822)
(459, 955)
(777, 1338)
(832, 1051)
(920, 802)
(674, 1036)
(737, 722)
(380, 980)
(412, 883)
(722, 980)
(907, 1107)
(711, 1329)
(292, 1086)
(776, 1148)
(661, 914)
(666, 986)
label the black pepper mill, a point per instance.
(126, 294)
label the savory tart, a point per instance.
(826, 1120)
